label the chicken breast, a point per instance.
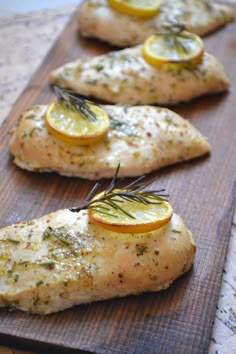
(125, 77)
(62, 259)
(141, 139)
(98, 19)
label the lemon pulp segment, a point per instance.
(145, 217)
(141, 8)
(173, 48)
(68, 125)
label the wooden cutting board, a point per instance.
(203, 192)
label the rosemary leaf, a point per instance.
(74, 103)
(113, 198)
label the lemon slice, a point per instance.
(71, 127)
(141, 8)
(138, 217)
(173, 48)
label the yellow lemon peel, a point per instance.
(69, 126)
(145, 217)
(173, 48)
(140, 8)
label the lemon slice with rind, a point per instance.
(123, 215)
(140, 8)
(67, 124)
(173, 48)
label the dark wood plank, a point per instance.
(178, 320)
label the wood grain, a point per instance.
(203, 192)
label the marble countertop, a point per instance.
(17, 64)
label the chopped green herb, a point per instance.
(61, 233)
(176, 231)
(40, 282)
(184, 269)
(141, 250)
(10, 240)
(30, 116)
(98, 67)
(16, 277)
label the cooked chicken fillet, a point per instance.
(141, 138)
(125, 77)
(98, 19)
(62, 260)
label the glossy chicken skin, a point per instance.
(98, 19)
(62, 259)
(140, 138)
(125, 77)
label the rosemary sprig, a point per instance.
(174, 34)
(113, 198)
(75, 103)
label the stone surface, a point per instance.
(24, 42)
(34, 33)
